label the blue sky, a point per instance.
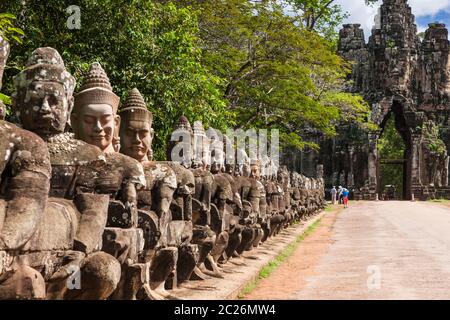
(426, 11)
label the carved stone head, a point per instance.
(201, 147)
(94, 118)
(180, 144)
(217, 150)
(136, 133)
(43, 98)
(255, 168)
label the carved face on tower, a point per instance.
(95, 119)
(136, 133)
(43, 99)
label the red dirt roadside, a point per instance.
(289, 278)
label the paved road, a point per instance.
(384, 250)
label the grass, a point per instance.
(330, 207)
(267, 270)
(443, 201)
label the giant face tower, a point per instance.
(404, 77)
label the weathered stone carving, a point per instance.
(400, 75)
(24, 186)
(130, 227)
(163, 234)
(95, 121)
(70, 231)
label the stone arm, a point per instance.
(26, 192)
(164, 189)
(132, 181)
(94, 212)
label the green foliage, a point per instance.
(432, 139)
(5, 99)
(230, 63)
(141, 44)
(9, 32)
(322, 16)
(279, 74)
(391, 146)
(7, 29)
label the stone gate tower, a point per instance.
(408, 78)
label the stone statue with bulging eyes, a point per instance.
(69, 234)
(204, 236)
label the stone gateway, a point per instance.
(404, 77)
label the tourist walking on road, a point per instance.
(339, 192)
(345, 194)
(333, 192)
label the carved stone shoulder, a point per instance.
(183, 175)
(66, 150)
(131, 170)
(161, 173)
(24, 150)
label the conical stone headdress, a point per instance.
(184, 124)
(96, 89)
(134, 108)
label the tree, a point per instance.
(141, 44)
(7, 29)
(278, 74)
(8, 32)
(323, 16)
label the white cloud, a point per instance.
(360, 13)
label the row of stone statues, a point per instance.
(85, 213)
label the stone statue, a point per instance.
(164, 234)
(24, 185)
(204, 236)
(249, 193)
(225, 199)
(182, 204)
(95, 121)
(69, 234)
(129, 227)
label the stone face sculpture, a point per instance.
(96, 122)
(158, 223)
(285, 201)
(24, 185)
(399, 74)
(43, 101)
(193, 154)
(225, 199)
(182, 205)
(94, 118)
(162, 235)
